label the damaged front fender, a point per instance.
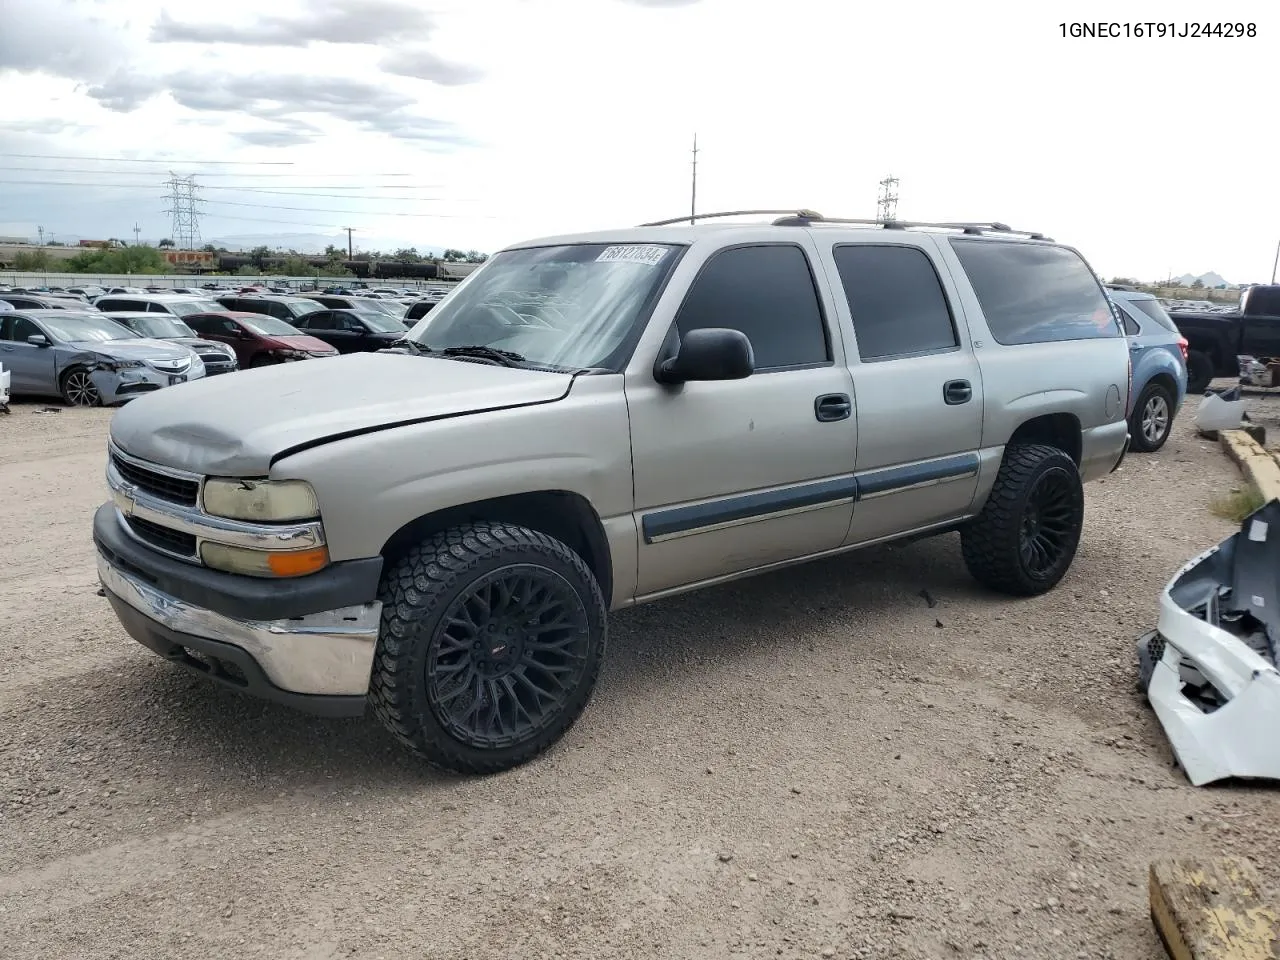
(1209, 667)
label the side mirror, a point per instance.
(712, 353)
(38, 340)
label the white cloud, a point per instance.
(558, 115)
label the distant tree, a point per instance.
(1197, 284)
(1125, 280)
(408, 254)
(453, 256)
(333, 253)
(166, 244)
(475, 256)
(209, 248)
(136, 259)
(31, 262)
(259, 256)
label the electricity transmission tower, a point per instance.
(183, 209)
(887, 205)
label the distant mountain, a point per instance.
(315, 242)
(1209, 280)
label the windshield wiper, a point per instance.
(504, 357)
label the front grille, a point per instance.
(162, 537)
(158, 484)
(216, 359)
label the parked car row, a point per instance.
(216, 334)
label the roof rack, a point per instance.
(804, 218)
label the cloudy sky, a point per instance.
(474, 123)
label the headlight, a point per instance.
(290, 354)
(264, 563)
(113, 364)
(263, 501)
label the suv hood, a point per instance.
(236, 426)
(209, 346)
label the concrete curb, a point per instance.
(1260, 468)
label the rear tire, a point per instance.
(491, 642)
(1199, 371)
(1026, 537)
(1152, 419)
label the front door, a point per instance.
(918, 387)
(32, 369)
(739, 474)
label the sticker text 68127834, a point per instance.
(650, 256)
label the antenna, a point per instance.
(137, 235)
(186, 216)
(693, 195)
(351, 250)
(887, 205)
(41, 229)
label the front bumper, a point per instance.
(120, 385)
(1216, 691)
(279, 650)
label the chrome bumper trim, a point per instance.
(324, 653)
(132, 501)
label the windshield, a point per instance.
(1156, 312)
(387, 308)
(159, 326)
(184, 308)
(81, 329)
(567, 306)
(380, 322)
(266, 326)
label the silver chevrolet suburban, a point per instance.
(593, 421)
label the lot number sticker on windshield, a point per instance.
(635, 253)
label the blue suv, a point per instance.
(1159, 356)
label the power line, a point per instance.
(283, 193)
(151, 173)
(375, 213)
(246, 163)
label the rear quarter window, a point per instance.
(1035, 292)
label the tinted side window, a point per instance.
(767, 292)
(1035, 293)
(1131, 328)
(897, 301)
(23, 328)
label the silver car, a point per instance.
(88, 359)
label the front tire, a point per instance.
(1152, 419)
(491, 642)
(1026, 537)
(78, 389)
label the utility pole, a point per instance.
(186, 215)
(137, 235)
(1275, 263)
(693, 195)
(41, 229)
(887, 205)
(351, 250)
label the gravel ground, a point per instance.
(814, 763)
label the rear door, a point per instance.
(917, 385)
(734, 475)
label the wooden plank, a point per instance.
(1213, 910)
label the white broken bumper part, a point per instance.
(1209, 667)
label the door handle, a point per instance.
(832, 406)
(956, 392)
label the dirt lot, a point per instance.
(810, 764)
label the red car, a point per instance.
(257, 339)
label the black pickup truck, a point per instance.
(1216, 340)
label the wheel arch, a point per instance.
(1061, 430)
(567, 516)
